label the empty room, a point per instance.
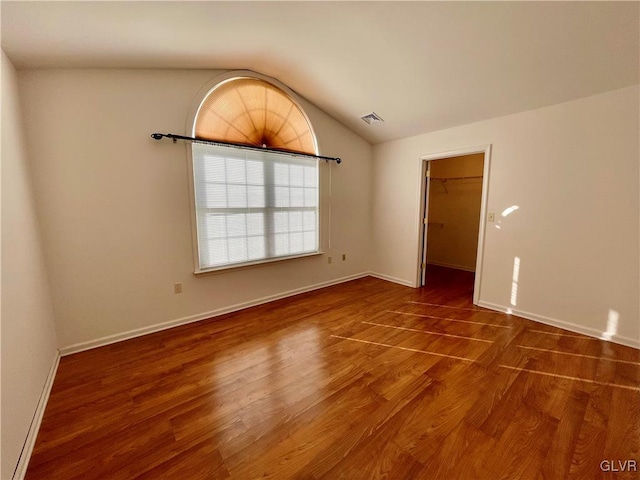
(320, 240)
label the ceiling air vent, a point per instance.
(372, 118)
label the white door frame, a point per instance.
(486, 150)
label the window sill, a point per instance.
(260, 263)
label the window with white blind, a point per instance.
(253, 206)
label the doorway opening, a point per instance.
(453, 212)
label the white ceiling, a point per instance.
(422, 66)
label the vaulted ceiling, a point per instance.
(422, 66)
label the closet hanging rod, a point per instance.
(174, 137)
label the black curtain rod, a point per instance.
(158, 136)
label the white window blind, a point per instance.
(253, 206)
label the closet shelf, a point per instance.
(455, 178)
(446, 179)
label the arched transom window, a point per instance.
(252, 205)
(254, 112)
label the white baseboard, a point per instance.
(138, 332)
(99, 342)
(572, 327)
(32, 434)
(388, 278)
(450, 265)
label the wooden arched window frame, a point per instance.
(255, 112)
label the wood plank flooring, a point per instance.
(361, 380)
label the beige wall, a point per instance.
(115, 203)
(572, 169)
(28, 334)
(454, 211)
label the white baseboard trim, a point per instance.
(450, 265)
(572, 327)
(138, 332)
(388, 278)
(32, 434)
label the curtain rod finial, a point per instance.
(157, 136)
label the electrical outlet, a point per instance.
(328, 259)
(344, 257)
(177, 288)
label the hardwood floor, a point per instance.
(362, 380)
